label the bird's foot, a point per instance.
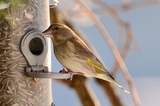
(64, 70)
(75, 73)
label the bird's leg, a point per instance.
(64, 70)
(75, 73)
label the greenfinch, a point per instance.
(72, 52)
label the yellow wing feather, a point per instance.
(99, 68)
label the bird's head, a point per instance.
(58, 33)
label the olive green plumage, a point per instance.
(75, 55)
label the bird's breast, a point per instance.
(69, 60)
(63, 54)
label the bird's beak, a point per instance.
(47, 33)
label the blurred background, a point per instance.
(134, 27)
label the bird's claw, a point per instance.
(75, 73)
(64, 70)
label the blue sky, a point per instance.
(143, 63)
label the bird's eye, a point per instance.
(56, 28)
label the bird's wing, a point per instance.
(82, 51)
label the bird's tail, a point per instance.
(109, 78)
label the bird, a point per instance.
(74, 54)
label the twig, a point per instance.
(132, 5)
(115, 52)
(121, 25)
(125, 51)
(83, 90)
(136, 5)
(112, 94)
